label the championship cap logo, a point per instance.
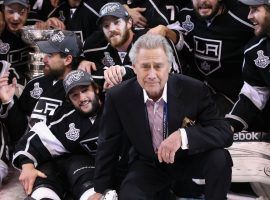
(73, 77)
(59, 37)
(109, 8)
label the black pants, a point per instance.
(145, 180)
(69, 173)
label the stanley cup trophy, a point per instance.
(30, 35)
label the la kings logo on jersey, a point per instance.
(36, 92)
(207, 54)
(107, 60)
(45, 107)
(262, 61)
(73, 133)
(4, 47)
(188, 25)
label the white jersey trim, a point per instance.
(255, 45)
(61, 119)
(93, 11)
(258, 95)
(240, 20)
(96, 49)
(27, 154)
(48, 139)
(237, 119)
(160, 13)
(49, 15)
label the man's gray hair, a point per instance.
(150, 41)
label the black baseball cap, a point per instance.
(255, 2)
(77, 78)
(112, 9)
(66, 42)
(22, 2)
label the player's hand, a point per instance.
(158, 30)
(28, 176)
(7, 91)
(168, 147)
(87, 66)
(136, 14)
(95, 196)
(106, 86)
(55, 23)
(113, 75)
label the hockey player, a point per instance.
(15, 51)
(79, 16)
(251, 111)
(151, 13)
(215, 33)
(44, 94)
(60, 157)
(12, 48)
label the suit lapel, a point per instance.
(175, 104)
(138, 117)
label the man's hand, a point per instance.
(7, 91)
(51, 22)
(95, 196)
(28, 176)
(55, 23)
(168, 147)
(165, 32)
(113, 75)
(87, 66)
(138, 19)
(158, 30)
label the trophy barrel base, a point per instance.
(36, 70)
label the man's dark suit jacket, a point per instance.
(125, 113)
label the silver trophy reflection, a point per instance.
(30, 35)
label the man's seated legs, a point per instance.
(146, 179)
(79, 172)
(214, 166)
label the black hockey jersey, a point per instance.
(39, 11)
(69, 132)
(214, 49)
(254, 96)
(81, 20)
(157, 11)
(38, 102)
(16, 52)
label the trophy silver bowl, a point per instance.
(30, 35)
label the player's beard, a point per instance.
(124, 37)
(95, 107)
(264, 28)
(215, 10)
(54, 73)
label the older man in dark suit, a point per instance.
(172, 125)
